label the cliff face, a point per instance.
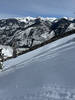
(23, 33)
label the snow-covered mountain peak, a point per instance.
(26, 19)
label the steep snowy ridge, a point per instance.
(59, 46)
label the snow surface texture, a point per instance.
(47, 73)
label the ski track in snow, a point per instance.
(37, 76)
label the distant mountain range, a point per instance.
(21, 34)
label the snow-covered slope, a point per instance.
(43, 74)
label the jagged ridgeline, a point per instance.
(24, 34)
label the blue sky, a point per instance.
(35, 8)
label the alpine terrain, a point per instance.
(45, 73)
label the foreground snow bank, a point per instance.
(47, 73)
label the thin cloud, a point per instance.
(15, 8)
